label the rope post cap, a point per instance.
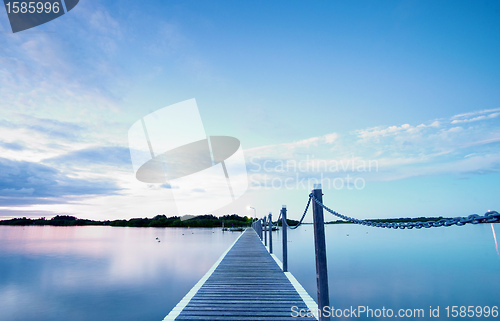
(317, 186)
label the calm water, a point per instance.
(110, 273)
(101, 273)
(401, 269)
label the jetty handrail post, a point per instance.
(265, 231)
(270, 222)
(320, 249)
(284, 238)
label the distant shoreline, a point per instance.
(206, 221)
(157, 221)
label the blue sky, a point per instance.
(308, 87)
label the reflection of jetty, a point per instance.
(246, 283)
(233, 229)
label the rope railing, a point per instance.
(319, 234)
(303, 216)
(488, 217)
(279, 218)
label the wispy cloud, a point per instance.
(476, 116)
(15, 146)
(436, 147)
(33, 139)
(49, 161)
(24, 183)
(43, 168)
(475, 113)
(54, 129)
(375, 132)
(64, 77)
(103, 29)
(115, 156)
(170, 40)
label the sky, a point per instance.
(392, 105)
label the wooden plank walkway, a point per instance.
(246, 283)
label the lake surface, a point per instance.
(110, 273)
(101, 272)
(401, 269)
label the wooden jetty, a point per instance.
(246, 283)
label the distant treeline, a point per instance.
(157, 221)
(289, 222)
(176, 221)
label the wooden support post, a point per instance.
(320, 249)
(270, 233)
(265, 231)
(284, 238)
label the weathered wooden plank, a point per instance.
(246, 284)
(248, 304)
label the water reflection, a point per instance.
(108, 273)
(495, 238)
(101, 273)
(400, 268)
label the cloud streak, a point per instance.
(115, 156)
(476, 116)
(83, 174)
(437, 147)
(25, 183)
